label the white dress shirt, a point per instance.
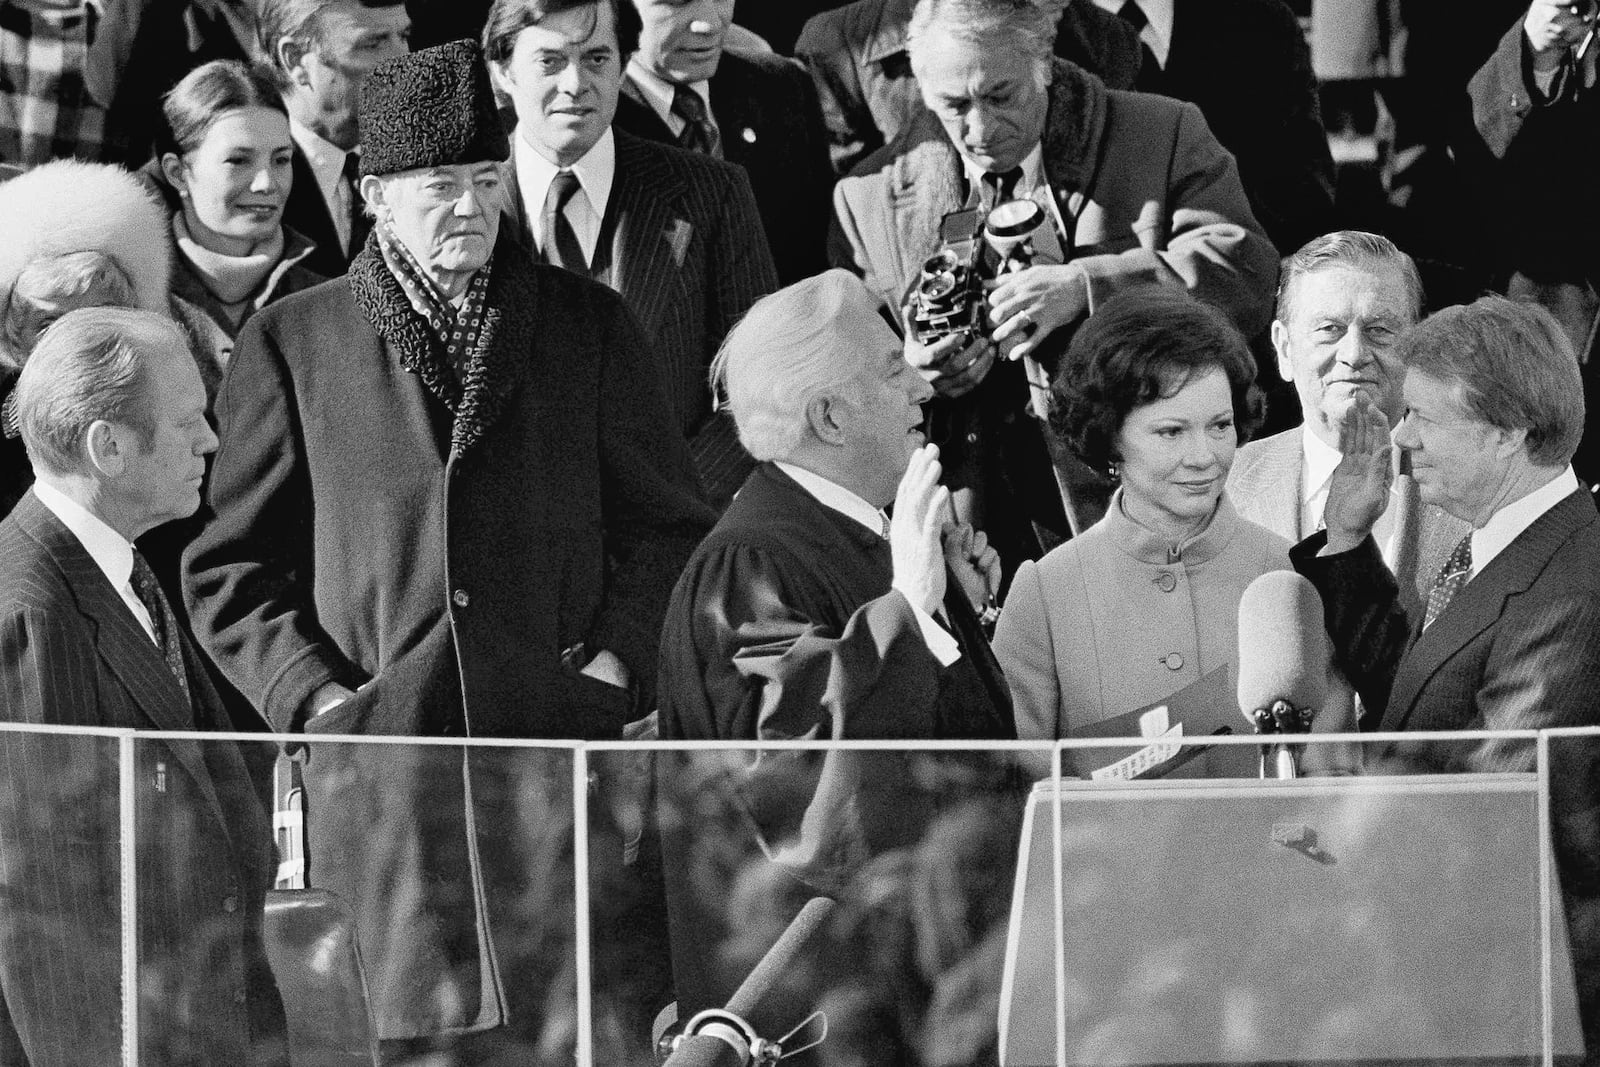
(658, 92)
(111, 552)
(1033, 185)
(833, 495)
(1507, 524)
(1318, 460)
(1157, 32)
(587, 209)
(327, 163)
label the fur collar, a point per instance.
(504, 348)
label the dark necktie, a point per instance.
(350, 174)
(561, 247)
(699, 133)
(1451, 577)
(1149, 69)
(162, 620)
(998, 188)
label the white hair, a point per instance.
(786, 352)
(1027, 25)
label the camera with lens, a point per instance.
(948, 296)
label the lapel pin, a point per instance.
(748, 135)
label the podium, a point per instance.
(1376, 920)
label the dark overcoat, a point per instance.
(367, 536)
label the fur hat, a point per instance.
(430, 109)
(69, 206)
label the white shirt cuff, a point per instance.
(940, 641)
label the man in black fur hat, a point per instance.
(448, 502)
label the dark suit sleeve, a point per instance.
(1361, 605)
(1214, 246)
(60, 957)
(742, 272)
(766, 671)
(248, 576)
(1502, 98)
(653, 509)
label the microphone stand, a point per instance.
(1282, 718)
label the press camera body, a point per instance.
(948, 296)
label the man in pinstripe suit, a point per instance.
(1510, 635)
(677, 233)
(113, 414)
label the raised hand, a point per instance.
(1358, 493)
(921, 509)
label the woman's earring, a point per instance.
(1113, 471)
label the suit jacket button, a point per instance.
(1166, 581)
(460, 598)
(230, 904)
(1173, 660)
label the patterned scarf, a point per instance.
(457, 331)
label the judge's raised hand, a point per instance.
(975, 564)
(1358, 492)
(921, 509)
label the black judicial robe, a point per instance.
(784, 626)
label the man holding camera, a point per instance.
(1135, 191)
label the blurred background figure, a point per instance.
(1247, 66)
(1156, 389)
(1536, 114)
(320, 51)
(71, 235)
(225, 169)
(1344, 299)
(686, 86)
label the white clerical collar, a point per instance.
(596, 172)
(111, 552)
(1320, 460)
(1157, 33)
(833, 495)
(657, 92)
(1507, 524)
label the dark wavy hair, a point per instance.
(1137, 347)
(508, 18)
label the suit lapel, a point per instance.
(1481, 602)
(645, 229)
(121, 643)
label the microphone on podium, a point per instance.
(1283, 662)
(722, 1037)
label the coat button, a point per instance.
(972, 438)
(1166, 581)
(230, 904)
(239, 996)
(1173, 660)
(460, 598)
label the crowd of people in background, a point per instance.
(594, 370)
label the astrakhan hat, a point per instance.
(430, 108)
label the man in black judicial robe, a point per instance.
(806, 614)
